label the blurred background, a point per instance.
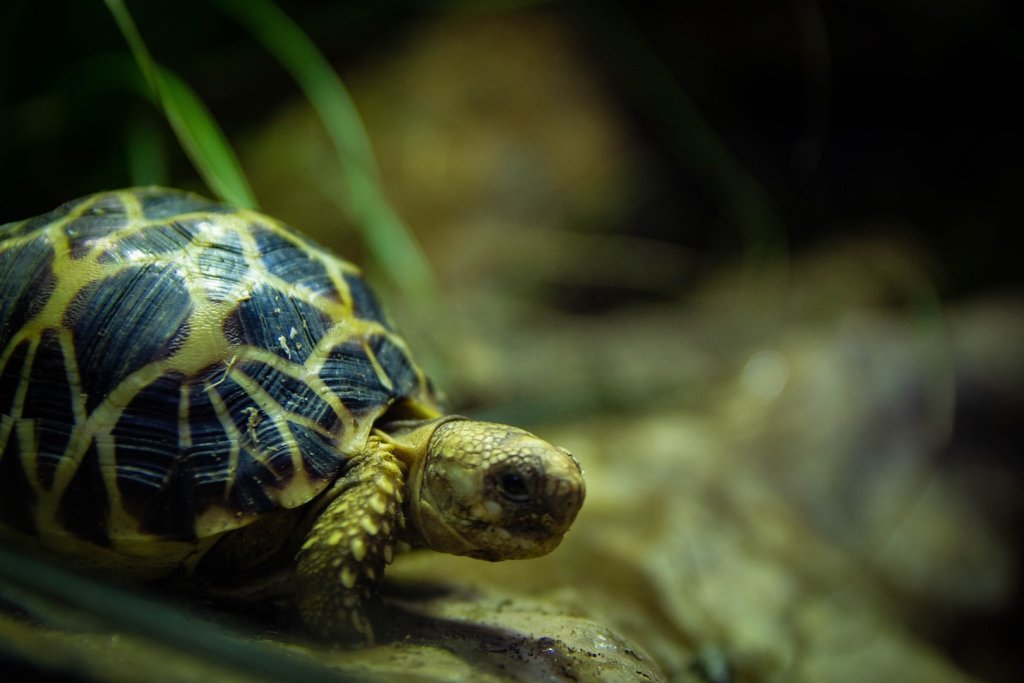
(750, 261)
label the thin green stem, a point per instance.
(202, 139)
(389, 239)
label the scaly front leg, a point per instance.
(348, 546)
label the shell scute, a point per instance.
(272, 320)
(158, 204)
(294, 395)
(48, 401)
(210, 447)
(293, 262)
(404, 377)
(28, 283)
(84, 508)
(17, 497)
(251, 487)
(85, 231)
(134, 245)
(364, 302)
(146, 441)
(11, 372)
(222, 271)
(122, 323)
(319, 454)
(172, 368)
(349, 371)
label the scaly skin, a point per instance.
(348, 546)
(189, 386)
(493, 492)
(480, 489)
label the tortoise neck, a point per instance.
(410, 440)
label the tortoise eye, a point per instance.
(514, 487)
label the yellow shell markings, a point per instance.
(216, 520)
(70, 278)
(348, 325)
(205, 345)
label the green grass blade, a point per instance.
(197, 131)
(77, 603)
(147, 163)
(204, 142)
(651, 84)
(389, 239)
(135, 42)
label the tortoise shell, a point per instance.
(172, 368)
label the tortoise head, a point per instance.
(492, 491)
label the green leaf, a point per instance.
(204, 142)
(72, 602)
(147, 163)
(197, 131)
(387, 236)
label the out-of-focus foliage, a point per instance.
(361, 195)
(744, 261)
(196, 131)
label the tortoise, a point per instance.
(193, 389)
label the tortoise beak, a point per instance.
(564, 491)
